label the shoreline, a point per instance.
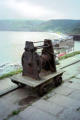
(10, 73)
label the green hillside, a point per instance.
(19, 25)
(64, 26)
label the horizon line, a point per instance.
(38, 19)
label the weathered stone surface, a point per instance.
(69, 114)
(32, 113)
(67, 76)
(78, 76)
(72, 85)
(75, 80)
(63, 90)
(6, 110)
(65, 101)
(16, 118)
(68, 61)
(71, 71)
(6, 85)
(3, 110)
(76, 86)
(9, 102)
(75, 95)
(48, 107)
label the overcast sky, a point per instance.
(39, 9)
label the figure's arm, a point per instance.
(22, 61)
(38, 60)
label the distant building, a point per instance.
(64, 44)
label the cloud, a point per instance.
(39, 9)
(23, 9)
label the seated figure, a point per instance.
(47, 57)
(31, 61)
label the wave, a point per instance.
(8, 67)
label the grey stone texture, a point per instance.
(48, 107)
(65, 101)
(32, 113)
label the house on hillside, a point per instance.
(64, 44)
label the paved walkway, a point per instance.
(66, 62)
(6, 85)
(62, 103)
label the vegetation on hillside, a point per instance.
(10, 73)
(69, 55)
(63, 26)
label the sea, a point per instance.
(12, 46)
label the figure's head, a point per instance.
(47, 42)
(29, 46)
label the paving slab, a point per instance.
(6, 85)
(16, 118)
(32, 113)
(75, 80)
(78, 76)
(75, 95)
(10, 102)
(71, 71)
(48, 107)
(3, 109)
(15, 96)
(66, 62)
(65, 101)
(63, 90)
(6, 110)
(69, 114)
(35, 83)
(72, 84)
